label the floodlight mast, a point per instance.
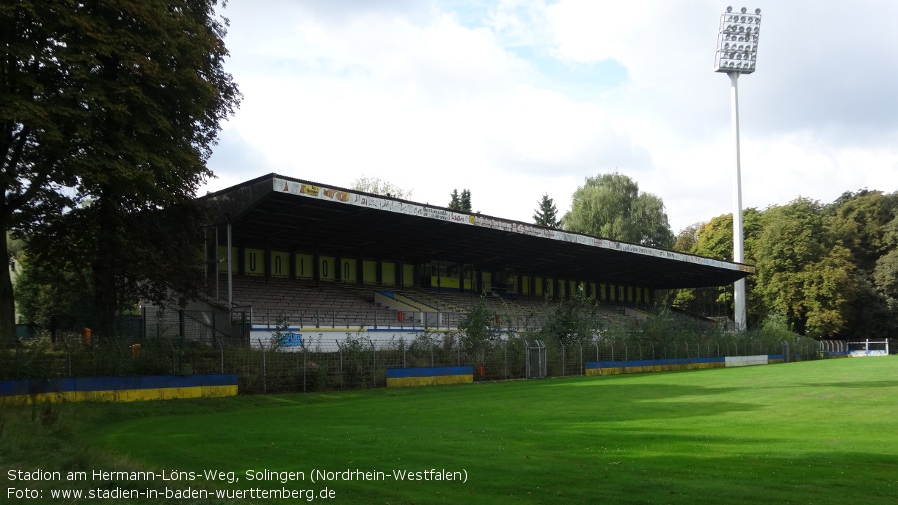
(737, 51)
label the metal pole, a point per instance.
(374, 359)
(264, 368)
(738, 243)
(217, 291)
(230, 273)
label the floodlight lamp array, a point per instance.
(737, 41)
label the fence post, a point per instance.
(221, 347)
(264, 368)
(214, 329)
(563, 364)
(482, 361)
(342, 375)
(68, 358)
(374, 370)
(305, 368)
(581, 359)
(505, 352)
(143, 322)
(182, 325)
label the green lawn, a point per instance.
(814, 432)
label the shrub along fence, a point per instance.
(356, 362)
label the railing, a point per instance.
(350, 362)
(376, 319)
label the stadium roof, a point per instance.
(286, 214)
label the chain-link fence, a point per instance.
(352, 362)
(270, 353)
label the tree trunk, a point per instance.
(104, 265)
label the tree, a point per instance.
(885, 272)
(114, 102)
(30, 82)
(611, 206)
(714, 239)
(886, 275)
(15, 250)
(547, 214)
(803, 271)
(158, 254)
(454, 200)
(863, 220)
(859, 220)
(460, 203)
(575, 320)
(44, 293)
(830, 289)
(465, 202)
(479, 327)
(378, 186)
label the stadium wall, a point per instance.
(666, 365)
(117, 389)
(430, 376)
(293, 339)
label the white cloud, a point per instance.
(451, 94)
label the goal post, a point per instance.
(868, 347)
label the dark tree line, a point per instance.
(830, 269)
(109, 111)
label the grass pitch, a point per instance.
(814, 432)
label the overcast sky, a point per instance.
(514, 99)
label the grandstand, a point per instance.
(312, 257)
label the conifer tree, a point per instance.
(547, 213)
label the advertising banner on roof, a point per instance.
(492, 223)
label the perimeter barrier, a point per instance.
(356, 361)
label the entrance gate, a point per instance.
(536, 360)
